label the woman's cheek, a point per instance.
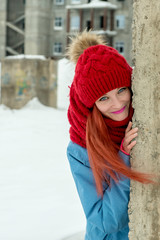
(104, 109)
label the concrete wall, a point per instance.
(124, 35)
(37, 27)
(23, 79)
(59, 35)
(13, 13)
(144, 206)
(3, 5)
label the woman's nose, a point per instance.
(116, 103)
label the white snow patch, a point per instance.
(94, 4)
(21, 56)
(35, 104)
(65, 78)
(108, 32)
(4, 107)
(38, 198)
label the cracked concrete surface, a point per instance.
(144, 206)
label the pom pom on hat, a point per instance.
(81, 42)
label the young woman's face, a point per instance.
(115, 104)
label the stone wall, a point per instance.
(23, 79)
(144, 206)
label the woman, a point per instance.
(100, 114)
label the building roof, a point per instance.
(97, 4)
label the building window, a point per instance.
(76, 1)
(75, 23)
(101, 21)
(58, 23)
(23, 24)
(120, 22)
(120, 47)
(57, 48)
(59, 2)
(88, 25)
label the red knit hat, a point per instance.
(99, 69)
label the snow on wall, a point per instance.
(22, 56)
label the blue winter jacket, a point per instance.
(107, 217)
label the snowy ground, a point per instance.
(38, 199)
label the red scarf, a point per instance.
(117, 128)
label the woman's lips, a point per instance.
(120, 111)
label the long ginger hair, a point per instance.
(103, 154)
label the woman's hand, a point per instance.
(130, 134)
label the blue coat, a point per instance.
(107, 217)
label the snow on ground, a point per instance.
(38, 199)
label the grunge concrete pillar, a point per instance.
(3, 6)
(144, 206)
(38, 20)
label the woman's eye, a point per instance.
(103, 98)
(122, 90)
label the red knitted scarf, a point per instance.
(117, 128)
